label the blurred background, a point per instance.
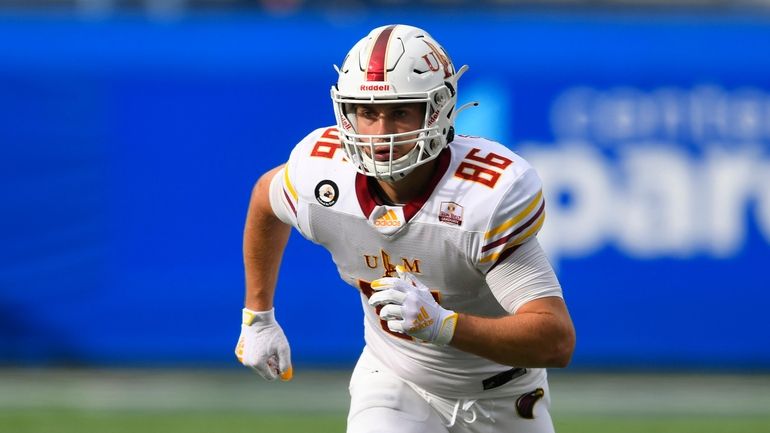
(132, 132)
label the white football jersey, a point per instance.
(483, 202)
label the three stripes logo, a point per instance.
(390, 219)
(422, 321)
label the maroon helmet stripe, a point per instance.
(376, 69)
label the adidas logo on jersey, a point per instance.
(390, 219)
(422, 321)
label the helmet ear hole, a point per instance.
(450, 87)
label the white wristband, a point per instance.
(250, 317)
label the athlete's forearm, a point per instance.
(536, 337)
(264, 239)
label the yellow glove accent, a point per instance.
(287, 375)
(447, 330)
(248, 317)
(239, 350)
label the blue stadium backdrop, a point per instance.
(129, 148)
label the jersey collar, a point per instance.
(368, 198)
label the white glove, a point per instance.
(262, 345)
(409, 308)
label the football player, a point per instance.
(437, 231)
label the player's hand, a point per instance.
(409, 308)
(262, 345)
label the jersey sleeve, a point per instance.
(518, 217)
(523, 276)
(285, 197)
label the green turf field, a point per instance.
(240, 422)
(84, 401)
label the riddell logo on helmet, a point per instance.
(375, 87)
(433, 118)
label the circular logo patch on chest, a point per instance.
(326, 192)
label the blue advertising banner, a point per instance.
(130, 147)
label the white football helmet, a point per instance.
(396, 64)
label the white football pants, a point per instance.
(380, 402)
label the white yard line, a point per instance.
(169, 390)
(323, 391)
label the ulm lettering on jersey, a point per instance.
(375, 87)
(373, 262)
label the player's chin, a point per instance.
(383, 156)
